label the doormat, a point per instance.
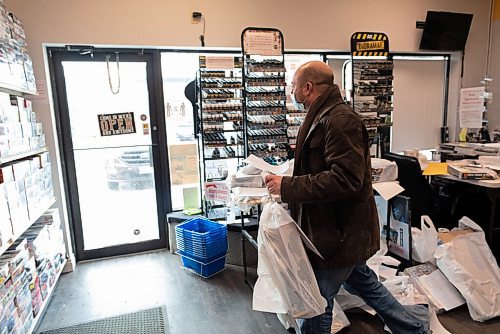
(150, 321)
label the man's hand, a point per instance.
(273, 184)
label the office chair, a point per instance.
(422, 196)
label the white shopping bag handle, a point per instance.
(272, 198)
(426, 223)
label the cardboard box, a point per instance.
(15, 129)
(21, 169)
(4, 100)
(6, 174)
(38, 129)
(19, 145)
(472, 172)
(28, 129)
(5, 222)
(446, 237)
(44, 159)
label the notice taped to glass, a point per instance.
(262, 42)
(116, 124)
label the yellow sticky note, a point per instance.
(436, 168)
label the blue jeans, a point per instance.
(361, 280)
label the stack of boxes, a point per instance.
(16, 68)
(17, 272)
(29, 267)
(19, 131)
(29, 271)
(45, 243)
(25, 190)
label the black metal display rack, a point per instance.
(264, 95)
(264, 107)
(220, 122)
(372, 94)
(294, 120)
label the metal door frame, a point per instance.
(158, 141)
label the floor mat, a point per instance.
(150, 321)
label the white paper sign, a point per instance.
(471, 118)
(471, 107)
(219, 63)
(216, 191)
(471, 97)
(264, 43)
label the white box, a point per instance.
(6, 174)
(21, 169)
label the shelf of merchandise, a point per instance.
(14, 90)
(265, 108)
(16, 86)
(39, 213)
(294, 120)
(372, 97)
(11, 158)
(46, 302)
(220, 131)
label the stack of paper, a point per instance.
(431, 282)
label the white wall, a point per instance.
(320, 24)
(418, 104)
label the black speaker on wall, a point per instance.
(445, 31)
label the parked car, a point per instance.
(132, 169)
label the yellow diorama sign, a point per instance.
(369, 44)
(116, 124)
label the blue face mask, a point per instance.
(298, 105)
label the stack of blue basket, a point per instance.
(202, 245)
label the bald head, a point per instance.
(310, 81)
(316, 72)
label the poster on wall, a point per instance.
(369, 44)
(472, 107)
(183, 164)
(116, 124)
(219, 63)
(263, 42)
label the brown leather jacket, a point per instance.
(330, 194)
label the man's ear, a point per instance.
(308, 86)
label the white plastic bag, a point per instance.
(287, 271)
(266, 296)
(340, 320)
(470, 266)
(425, 241)
(384, 170)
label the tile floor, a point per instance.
(221, 304)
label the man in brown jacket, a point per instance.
(331, 198)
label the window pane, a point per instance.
(178, 70)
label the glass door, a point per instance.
(108, 115)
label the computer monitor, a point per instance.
(415, 184)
